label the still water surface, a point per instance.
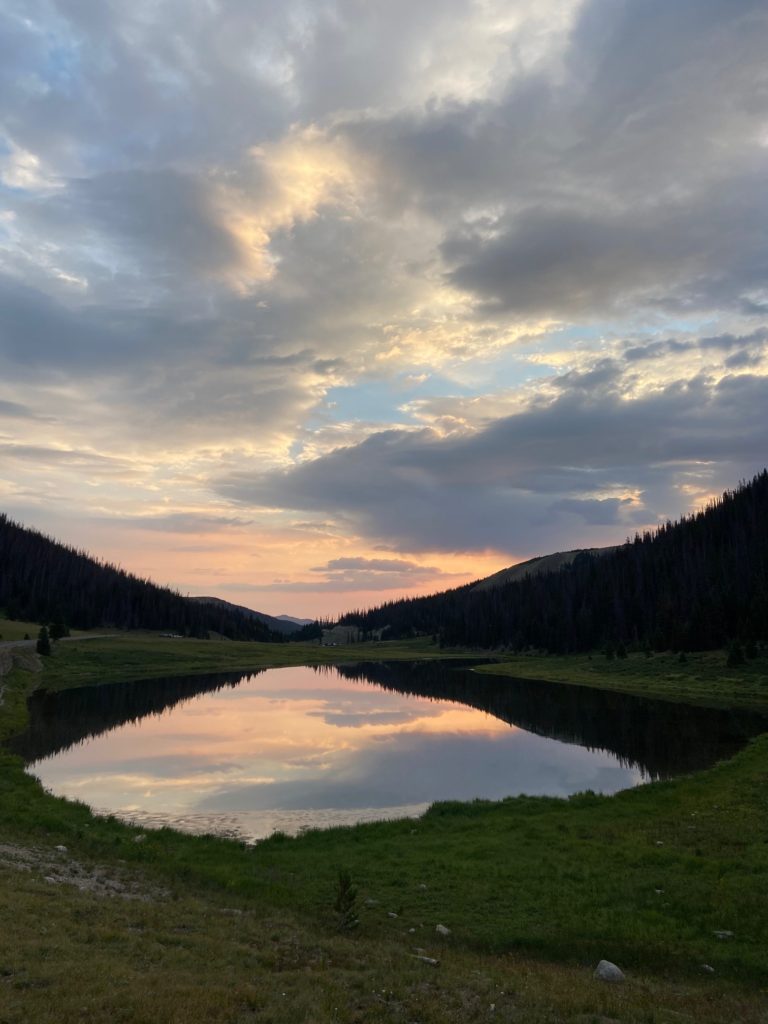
(293, 748)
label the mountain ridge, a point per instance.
(278, 623)
(697, 584)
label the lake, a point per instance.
(245, 754)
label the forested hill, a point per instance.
(44, 581)
(692, 585)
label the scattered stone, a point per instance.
(442, 930)
(411, 931)
(422, 886)
(427, 960)
(723, 935)
(391, 913)
(140, 839)
(371, 903)
(51, 879)
(419, 951)
(659, 842)
(708, 969)
(606, 971)
(60, 849)
(659, 892)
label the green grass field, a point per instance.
(534, 890)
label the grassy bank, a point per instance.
(534, 891)
(131, 656)
(702, 678)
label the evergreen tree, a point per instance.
(43, 645)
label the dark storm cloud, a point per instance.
(703, 253)
(526, 481)
(748, 347)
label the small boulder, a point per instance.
(606, 971)
(442, 930)
(60, 849)
(708, 969)
(723, 935)
(427, 960)
(140, 839)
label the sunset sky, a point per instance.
(313, 304)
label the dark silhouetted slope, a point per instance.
(42, 580)
(692, 585)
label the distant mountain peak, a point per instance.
(278, 623)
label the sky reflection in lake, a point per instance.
(292, 746)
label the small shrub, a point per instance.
(43, 642)
(345, 903)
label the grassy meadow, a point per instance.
(534, 890)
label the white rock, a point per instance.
(428, 960)
(606, 971)
(708, 969)
(60, 849)
(139, 839)
(442, 930)
(391, 913)
(724, 935)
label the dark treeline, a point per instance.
(697, 584)
(44, 581)
(661, 738)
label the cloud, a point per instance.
(555, 474)
(548, 216)
(341, 575)
(696, 253)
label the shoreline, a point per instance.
(531, 886)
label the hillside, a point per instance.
(44, 581)
(277, 623)
(536, 566)
(692, 585)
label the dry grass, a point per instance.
(68, 956)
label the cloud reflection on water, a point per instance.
(341, 745)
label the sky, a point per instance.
(310, 305)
